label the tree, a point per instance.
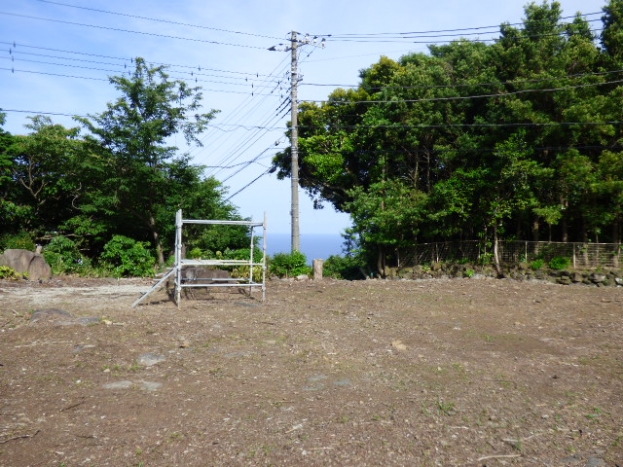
(7, 205)
(476, 141)
(44, 175)
(612, 33)
(132, 139)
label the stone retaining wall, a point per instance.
(599, 278)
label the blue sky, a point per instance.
(64, 51)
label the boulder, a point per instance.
(27, 262)
(203, 275)
(597, 278)
(576, 277)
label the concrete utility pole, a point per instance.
(296, 237)
(294, 129)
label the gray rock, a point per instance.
(150, 359)
(618, 281)
(87, 320)
(564, 280)
(49, 314)
(577, 277)
(150, 386)
(204, 275)
(343, 383)
(26, 262)
(595, 462)
(80, 347)
(118, 385)
(597, 278)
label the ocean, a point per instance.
(313, 246)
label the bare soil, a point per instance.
(460, 372)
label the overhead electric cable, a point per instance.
(14, 70)
(447, 30)
(481, 96)
(153, 34)
(393, 126)
(254, 76)
(159, 20)
(16, 45)
(402, 40)
(477, 84)
(242, 106)
(248, 184)
(124, 71)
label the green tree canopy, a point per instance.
(141, 176)
(474, 140)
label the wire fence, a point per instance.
(578, 255)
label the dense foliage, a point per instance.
(289, 264)
(516, 139)
(109, 195)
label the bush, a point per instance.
(63, 256)
(20, 241)
(289, 264)
(9, 273)
(342, 267)
(537, 264)
(560, 263)
(127, 257)
(194, 253)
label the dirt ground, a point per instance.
(462, 372)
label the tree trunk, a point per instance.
(535, 229)
(157, 242)
(496, 255)
(380, 262)
(563, 222)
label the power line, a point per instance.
(157, 19)
(238, 114)
(248, 184)
(153, 34)
(390, 126)
(472, 85)
(333, 36)
(15, 45)
(523, 37)
(14, 70)
(193, 73)
(480, 125)
(481, 96)
(247, 163)
(125, 70)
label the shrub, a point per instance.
(63, 256)
(289, 264)
(194, 253)
(342, 267)
(21, 241)
(9, 273)
(127, 257)
(560, 263)
(537, 264)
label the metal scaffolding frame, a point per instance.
(181, 262)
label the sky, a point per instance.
(56, 57)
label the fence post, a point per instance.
(318, 265)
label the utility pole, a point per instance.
(294, 129)
(296, 237)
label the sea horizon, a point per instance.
(313, 246)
